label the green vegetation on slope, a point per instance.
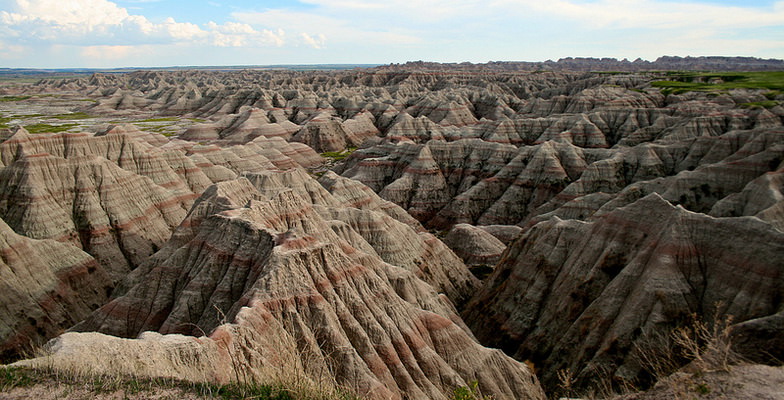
(339, 155)
(14, 98)
(163, 119)
(4, 121)
(72, 116)
(761, 104)
(48, 128)
(681, 82)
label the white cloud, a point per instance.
(234, 34)
(109, 52)
(182, 30)
(73, 12)
(616, 13)
(657, 14)
(316, 41)
(394, 31)
(330, 29)
(101, 24)
(11, 51)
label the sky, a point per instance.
(160, 33)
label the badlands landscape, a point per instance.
(586, 227)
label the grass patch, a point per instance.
(339, 155)
(760, 104)
(14, 98)
(72, 116)
(164, 119)
(13, 377)
(165, 130)
(24, 116)
(681, 82)
(4, 122)
(470, 392)
(48, 128)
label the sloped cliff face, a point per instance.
(585, 296)
(476, 181)
(300, 274)
(116, 195)
(46, 288)
(111, 199)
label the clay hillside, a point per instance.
(418, 231)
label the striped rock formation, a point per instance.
(111, 199)
(474, 245)
(277, 270)
(47, 287)
(119, 194)
(587, 296)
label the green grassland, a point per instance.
(72, 116)
(48, 128)
(761, 104)
(14, 98)
(681, 82)
(4, 121)
(339, 155)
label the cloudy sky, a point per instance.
(142, 33)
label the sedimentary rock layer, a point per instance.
(46, 287)
(587, 296)
(118, 194)
(304, 279)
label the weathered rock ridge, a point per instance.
(119, 194)
(583, 296)
(305, 277)
(46, 288)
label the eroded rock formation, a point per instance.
(299, 273)
(585, 296)
(119, 194)
(625, 209)
(46, 288)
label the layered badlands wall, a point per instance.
(621, 210)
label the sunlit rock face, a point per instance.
(275, 265)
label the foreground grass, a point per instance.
(681, 82)
(24, 381)
(21, 378)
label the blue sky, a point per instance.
(145, 33)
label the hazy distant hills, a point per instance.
(580, 64)
(704, 63)
(286, 67)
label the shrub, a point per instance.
(469, 392)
